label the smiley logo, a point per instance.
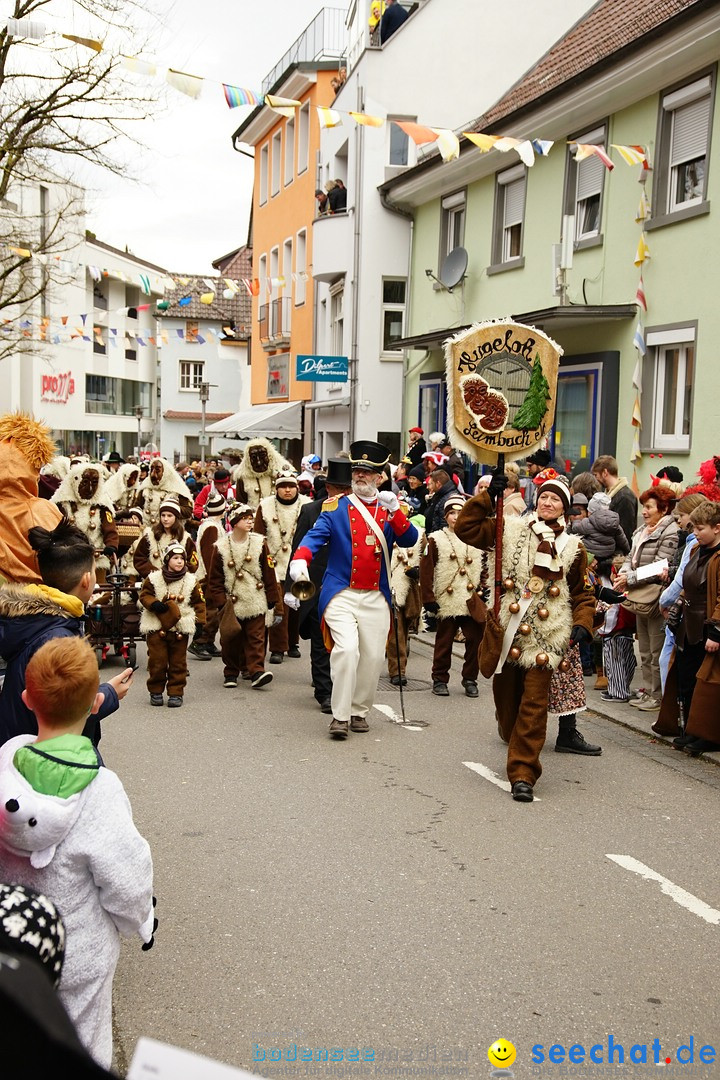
(501, 1054)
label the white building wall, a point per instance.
(431, 71)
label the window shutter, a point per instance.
(590, 174)
(514, 202)
(690, 131)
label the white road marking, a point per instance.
(488, 774)
(680, 896)
(392, 715)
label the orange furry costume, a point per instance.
(25, 446)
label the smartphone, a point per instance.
(129, 674)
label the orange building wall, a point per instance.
(278, 220)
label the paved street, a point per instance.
(381, 894)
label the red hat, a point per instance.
(418, 429)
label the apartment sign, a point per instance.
(321, 368)
(57, 388)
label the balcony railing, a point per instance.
(322, 39)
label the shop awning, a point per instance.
(273, 421)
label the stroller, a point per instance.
(113, 619)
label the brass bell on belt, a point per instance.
(564, 665)
(515, 653)
(542, 613)
(525, 629)
(514, 607)
(508, 584)
(553, 591)
(541, 659)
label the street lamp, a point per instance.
(204, 390)
(139, 413)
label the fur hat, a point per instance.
(559, 486)
(238, 511)
(215, 504)
(173, 506)
(30, 437)
(173, 549)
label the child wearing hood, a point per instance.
(602, 534)
(66, 829)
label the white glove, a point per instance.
(277, 620)
(299, 570)
(291, 601)
(389, 500)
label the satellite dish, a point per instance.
(453, 268)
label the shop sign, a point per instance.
(57, 388)
(321, 368)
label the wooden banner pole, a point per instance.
(499, 538)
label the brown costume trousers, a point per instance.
(521, 700)
(207, 632)
(167, 662)
(444, 638)
(287, 633)
(247, 651)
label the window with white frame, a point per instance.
(584, 182)
(303, 138)
(670, 359)
(452, 225)
(264, 173)
(286, 292)
(683, 146)
(509, 214)
(400, 150)
(337, 318)
(276, 162)
(191, 374)
(300, 267)
(393, 312)
(262, 279)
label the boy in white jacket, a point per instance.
(66, 829)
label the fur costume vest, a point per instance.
(159, 547)
(123, 497)
(404, 559)
(550, 635)
(215, 523)
(253, 487)
(171, 486)
(88, 517)
(242, 572)
(180, 591)
(457, 574)
(280, 522)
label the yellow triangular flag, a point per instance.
(284, 106)
(643, 251)
(483, 142)
(367, 121)
(329, 118)
(448, 144)
(89, 43)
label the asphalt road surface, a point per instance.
(382, 903)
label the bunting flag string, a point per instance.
(584, 150)
(643, 251)
(636, 155)
(640, 298)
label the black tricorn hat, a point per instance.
(368, 455)
(114, 458)
(339, 472)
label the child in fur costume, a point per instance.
(154, 542)
(211, 530)
(162, 482)
(451, 574)
(173, 603)
(25, 447)
(243, 572)
(83, 500)
(66, 829)
(255, 475)
(405, 588)
(276, 519)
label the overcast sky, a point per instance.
(192, 203)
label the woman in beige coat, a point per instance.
(656, 539)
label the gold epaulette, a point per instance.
(330, 504)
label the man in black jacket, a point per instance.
(393, 18)
(623, 500)
(338, 482)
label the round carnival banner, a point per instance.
(501, 387)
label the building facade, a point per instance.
(577, 249)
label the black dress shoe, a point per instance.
(395, 680)
(294, 652)
(212, 650)
(522, 791)
(471, 688)
(326, 706)
(682, 741)
(701, 746)
(440, 688)
(572, 742)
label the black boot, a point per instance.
(570, 741)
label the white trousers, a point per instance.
(359, 621)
